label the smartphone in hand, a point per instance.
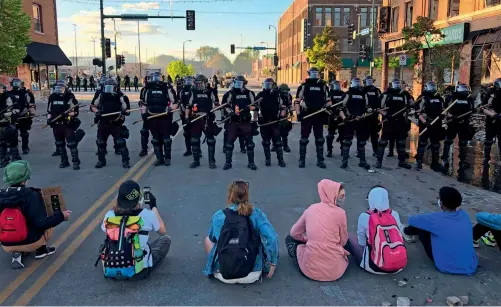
(147, 195)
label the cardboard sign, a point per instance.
(53, 200)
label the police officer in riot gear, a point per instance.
(60, 101)
(160, 98)
(374, 95)
(285, 126)
(100, 89)
(26, 104)
(458, 126)
(394, 125)
(241, 110)
(355, 105)
(184, 97)
(8, 132)
(430, 108)
(201, 100)
(312, 96)
(271, 108)
(493, 120)
(145, 133)
(110, 101)
(336, 95)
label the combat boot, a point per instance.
(101, 162)
(14, 153)
(212, 151)
(303, 142)
(75, 159)
(267, 153)
(285, 142)
(280, 155)
(229, 155)
(250, 156)
(319, 144)
(64, 158)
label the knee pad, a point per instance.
(155, 142)
(119, 143)
(303, 141)
(211, 142)
(463, 143)
(320, 141)
(60, 144)
(250, 144)
(167, 141)
(186, 135)
(194, 141)
(229, 146)
(266, 143)
(383, 143)
(100, 143)
(347, 142)
(72, 144)
(144, 132)
(278, 142)
(361, 143)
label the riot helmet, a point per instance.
(314, 73)
(284, 88)
(368, 81)
(430, 87)
(335, 85)
(268, 84)
(200, 82)
(239, 81)
(16, 84)
(462, 88)
(157, 77)
(356, 83)
(60, 87)
(110, 86)
(188, 80)
(395, 84)
(497, 84)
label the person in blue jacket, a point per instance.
(488, 229)
(267, 258)
(446, 235)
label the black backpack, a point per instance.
(238, 246)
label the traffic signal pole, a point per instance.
(371, 51)
(103, 48)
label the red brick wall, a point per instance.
(49, 17)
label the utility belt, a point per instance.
(241, 118)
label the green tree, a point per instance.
(325, 53)
(205, 53)
(220, 62)
(14, 34)
(177, 68)
(243, 62)
(191, 70)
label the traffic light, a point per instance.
(275, 60)
(351, 29)
(118, 61)
(364, 51)
(232, 48)
(122, 61)
(107, 46)
(190, 20)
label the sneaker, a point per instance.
(488, 239)
(44, 251)
(17, 261)
(475, 243)
(408, 239)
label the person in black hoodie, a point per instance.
(30, 202)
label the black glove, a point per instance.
(153, 201)
(98, 115)
(255, 128)
(144, 116)
(389, 116)
(187, 121)
(369, 110)
(300, 117)
(497, 116)
(124, 112)
(49, 121)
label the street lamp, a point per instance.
(94, 41)
(188, 41)
(76, 50)
(276, 50)
(265, 43)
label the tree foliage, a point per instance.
(205, 53)
(243, 61)
(15, 25)
(191, 70)
(178, 68)
(220, 62)
(325, 53)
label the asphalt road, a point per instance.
(187, 199)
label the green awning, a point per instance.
(347, 63)
(364, 63)
(297, 64)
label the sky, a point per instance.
(219, 23)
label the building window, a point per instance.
(433, 12)
(318, 16)
(37, 18)
(492, 3)
(363, 17)
(408, 14)
(346, 16)
(337, 17)
(345, 47)
(328, 16)
(453, 9)
(394, 19)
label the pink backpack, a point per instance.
(387, 249)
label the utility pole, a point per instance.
(76, 50)
(139, 47)
(115, 33)
(276, 50)
(94, 41)
(373, 22)
(103, 47)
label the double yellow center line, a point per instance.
(139, 170)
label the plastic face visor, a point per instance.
(336, 86)
(156, 78)
(431, 88)
(396, 85)
(267, 85)
(188, 81)
(356, 83)
(109, 89)
(17, 83)
(314, 75)
(200, 85)
(238, 84)
(462, 89)
(59, 89)
(369, 82)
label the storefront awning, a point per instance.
(38, 53)
(347, 63)
(296, 65)
(364, 63)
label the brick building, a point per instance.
(304, 19)
(262, 67)
(474, 26)
(39, 67)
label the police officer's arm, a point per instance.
(49, 106)
(94, 107)
(367, 106)
(73, 106)
(124, 104)
(384, 97)
(215, 100)
(189, 104)
(421, 112)
(344, 111)
(172, 97)
(283, 106)
(13, 108)
(252, 107)
(96, 94)
(488, 111)
(299, 97)
(327, 97)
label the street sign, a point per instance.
(365, 31)
(354, 36)
(140, 17)
(259, 48)
(402, 59)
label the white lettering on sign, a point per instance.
(371, 93)
(338, 97)
(462, 102)
(58, 102)
(241, 96)
(157, 92)
(202, 96)
(314, 88)
(357, 97)
(435, 100)
(398, 98)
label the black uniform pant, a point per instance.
(205, 126)
(64, 135)
(332, 126)
(92, 87)
(360, 129)
(105, 129)
(8, 140)
(145, 135)
(435, 134)
(269, 134)
(393, 129)
(316, 123)
(492, 130)
(85, 87)
(241, 138)
(127, 85)
(463, 131)
(24, 126)
(136, 87)
(160, 128)
(186, 133)
(374, 129)
(284, 135)
(77, 87)
(239, 129)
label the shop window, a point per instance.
(433, 11)
(394, 19)
(318, 16)
(453, 9)
(492, 2)
(37, 18)
(363, 17)
(337, 17)
(328, 16)
(346, 16)
(345, 47)
(408, 14)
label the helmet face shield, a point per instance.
(314, 74)
(188, 81)
(238, 84)
(16, 83)
(156, 78)
(267, 85)
(58, 89)
(356, 83)
(369, 82)
(497, 84)
(396, 84)
(200, 85)
(336, 86)
(462, 88)
(109, 89)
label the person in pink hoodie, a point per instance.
(316, 242)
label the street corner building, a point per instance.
(40, 66)
(471, 25)
(304, 19)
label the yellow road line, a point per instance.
(74, 226)
(70, 250)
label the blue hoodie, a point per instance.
(451, 240)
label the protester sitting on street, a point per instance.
(316, 242)
(365, 246)
(446, 236)
(25, 226)
(488, 229)
(138, 222)
(241, 243)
